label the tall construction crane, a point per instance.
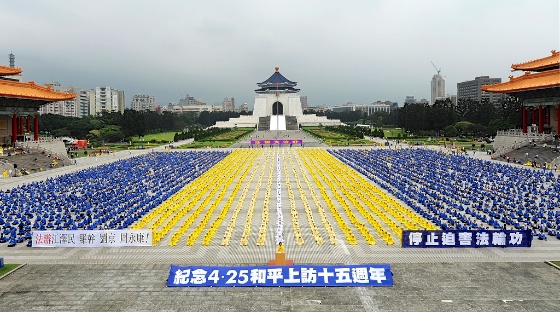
(438, 70)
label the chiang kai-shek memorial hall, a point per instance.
(539, 90)
(277, 107)
(277, 96)
(19, 105)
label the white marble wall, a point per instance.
(290, 101)
(243, 121)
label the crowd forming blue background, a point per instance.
(111, 196)
(459, 192)
(454, 191)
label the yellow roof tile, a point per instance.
(528, 81)
(545, 62)
(29, 90)
(9, 71)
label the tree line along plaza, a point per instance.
(295, 195)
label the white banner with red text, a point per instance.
(93, 238)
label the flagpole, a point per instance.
(277, 112)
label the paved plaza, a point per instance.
(426, 287)
(134, 278)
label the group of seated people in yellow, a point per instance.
(250, 210)
(215, 225)
(241, 201)
(261, 239)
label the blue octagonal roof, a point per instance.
(277, 83)
(277, 78)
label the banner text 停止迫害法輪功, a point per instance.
(466, 239)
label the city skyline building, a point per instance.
(437, 87)
(68, 108)
(83, 105)
(189, 100)
(451, 97)
(367, 108)
(198, 108)
(85, 98)
(472, 89)
(142, 102)
(228, 105)
(244, 108)
(107, 99)
(410, 99)
(303, 99)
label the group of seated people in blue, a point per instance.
(453, 191)
(111, 196)
(463, 193)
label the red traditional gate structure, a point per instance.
(19, 105)
(539, 90)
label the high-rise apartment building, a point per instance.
(303, 100)
(228, 105)
(85, 98)
(68, 108)
(438, 87)
(188, 101)
(472, 89)
(141, 102)
(107, 99)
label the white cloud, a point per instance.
(338, 51)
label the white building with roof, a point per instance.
(277, 107)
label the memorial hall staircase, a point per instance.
(264, 123)
(291, 123)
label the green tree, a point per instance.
(465, 128)
(441, 115)
(133, 123)
(378, 119)
(111, 133)
(501, 123)
(450, 131)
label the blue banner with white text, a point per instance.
(281, 276)
(466, 239)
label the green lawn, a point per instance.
(8, 267)
(336, 139)
(344, 142)
(112, 148)
(556, 262)
(209, 144)
(230, 135)
(467, 144)
(166, 136)
(325, 134)
(394, 133)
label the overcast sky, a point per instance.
(337, 51)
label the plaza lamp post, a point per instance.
(277, 112)
(277, 118)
